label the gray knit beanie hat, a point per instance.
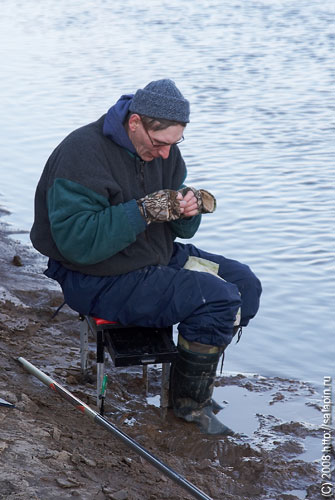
(161, 99)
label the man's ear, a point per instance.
(134, 122)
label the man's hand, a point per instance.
(188, 204)
(197, 201)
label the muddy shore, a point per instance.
(48, 450)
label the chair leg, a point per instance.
(165, 384)
(84, 347)
(145, 378)
(100, 365)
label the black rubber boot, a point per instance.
(192, 383)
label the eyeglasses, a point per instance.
(161, 144)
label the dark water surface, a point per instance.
(259, 76)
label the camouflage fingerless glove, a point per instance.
(161, 206)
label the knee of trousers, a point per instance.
(213, 320)
(251, 290)
(253, 283)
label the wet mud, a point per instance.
(48, 450)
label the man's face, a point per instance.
(150, 144)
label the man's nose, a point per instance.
(164, 152)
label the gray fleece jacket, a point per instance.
(86, 215)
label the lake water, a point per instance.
(259, 75)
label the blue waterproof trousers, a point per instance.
(204, 306)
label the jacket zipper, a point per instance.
(142, 164)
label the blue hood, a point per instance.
(113, 124)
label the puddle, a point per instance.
(298, 493)
(313, 449)
(154, 400)
(241, 407)
(269, 422)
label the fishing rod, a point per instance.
(3, 402)
(99, 419)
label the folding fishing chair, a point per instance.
(128, 346)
